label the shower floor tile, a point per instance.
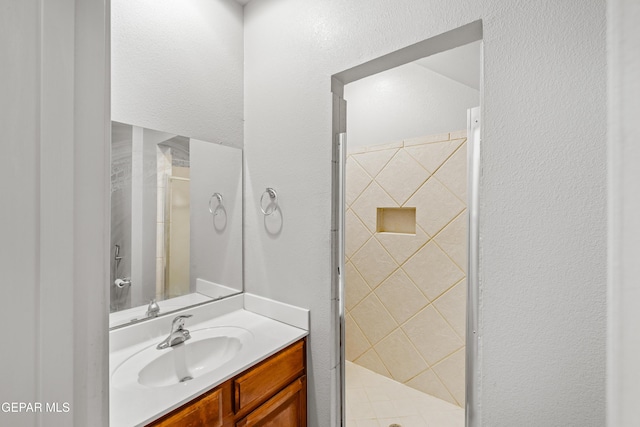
(374, 400)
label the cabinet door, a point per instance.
(264, 380)
(204, 412)
(286, 409)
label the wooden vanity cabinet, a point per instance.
(287, 408)
(272, 393)
(206, 410)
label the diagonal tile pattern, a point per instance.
(358, 233)
(374, 263)
(406, 293)
(453, 173)
(372, 319)
(402, 185)
(435, 206)
(356, 181)
(374, 161)
(402, 246)
(432, 271)
(365, 206)
(431, 156)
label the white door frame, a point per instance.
(455, 38)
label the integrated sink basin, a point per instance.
(208, 350)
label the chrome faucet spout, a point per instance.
(178, 334)
(153, 309)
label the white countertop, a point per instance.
(139, 405)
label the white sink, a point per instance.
(208, 350)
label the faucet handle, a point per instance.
(178, 321)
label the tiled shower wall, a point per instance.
(406, 293)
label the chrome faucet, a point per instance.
(178, 334)
(153, 309)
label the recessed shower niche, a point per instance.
(396, 220)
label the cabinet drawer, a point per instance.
(267, 378)
(286, 409)
(205, 411)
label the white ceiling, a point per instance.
(243, 2)
(461, 64)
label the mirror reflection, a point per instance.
(176, 222)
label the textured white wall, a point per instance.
(405, 102)
(54, 222)
(624, 225)
(19, 219)
(216, 242)
(543, 200)
(177, 67)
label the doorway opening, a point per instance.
(402, 219)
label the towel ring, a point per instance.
(273, 201)
(217, 196)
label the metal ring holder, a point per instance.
(273, 201)
(215, 211)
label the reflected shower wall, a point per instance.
(121, 157)
(143, 162)
(178, 229)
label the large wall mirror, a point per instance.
(176, 222)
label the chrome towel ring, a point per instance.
(272, 204)
(216, 210)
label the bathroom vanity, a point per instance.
(273, 390)
(243, 365)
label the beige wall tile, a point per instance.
(426, 139)
(356, 234)
(453, 240)
(401, 297)
(432, 271)
(372, 361)
(402, 246)
(452, 305)
(372, 198)
(374, 161)
(432, 335)
(356, 180)
(429, 383)
(373, 263)
(459, 134)
(402, 176)
(373, 319)
(432, 156)
(400, 356)
(377, 147)
(357, 343)
(435, 206)
(379, 296)
(355, 287)
(451, 373)
(453, 173)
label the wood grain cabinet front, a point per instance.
(272, 393)
(203, 411)
(265, 379)
(286, 409)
